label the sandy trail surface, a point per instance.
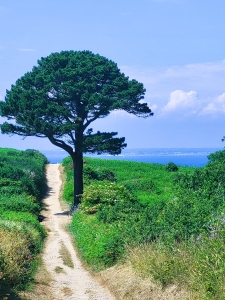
(67, 282)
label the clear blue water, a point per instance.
(180, 156)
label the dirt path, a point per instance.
(69, 282)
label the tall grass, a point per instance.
(196, 266)
(22, 186)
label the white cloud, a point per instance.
(216, 107)
(153, 107)
(181, 100)
(26, 49)
(204, 79)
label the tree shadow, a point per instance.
(7, 293)
(44, 206)
(64, 213)
(49, 192)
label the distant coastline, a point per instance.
(181, 156)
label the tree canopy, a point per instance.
(63, 95)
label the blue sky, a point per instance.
(175, 47)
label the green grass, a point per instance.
(22, 186)
(168, 225)
(197, 267)
(148, 182)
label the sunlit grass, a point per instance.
(196, 266)
(170, 229)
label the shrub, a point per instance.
(103, 193)
(28, 167)
(98, 174)
(198, 266)
(25, 218)
(9, 187)
(171, 167)
(21, 203)
(22, 186)
(217, 156)
(30, 231)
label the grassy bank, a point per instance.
(167, 223)
(22, 187)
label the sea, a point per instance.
(191, 157)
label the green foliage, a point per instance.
(9, 187)
(15, 258)
(26, 218)
(34, 234)
(42, 97)
(217, 156)
(21, 239)
(99, 244)
(158, 204)
(22, 185)
(147, 182)
(103, 193)
(98, 174)
(63, 95)
(20, 203)
(68, 192)
(171, 167)
(90, 174)
(176, 218)
(197, 266)
(27, 168)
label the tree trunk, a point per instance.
(78, 176)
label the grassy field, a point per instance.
(166, 223)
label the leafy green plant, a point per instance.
(99, 244)
(68, 192)
(22, 186)
(103, 193)
(25, 218)
(176, 218)
(32, 232)
(21, 203)
(171, 167)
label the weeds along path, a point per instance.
(69, 279)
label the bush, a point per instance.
(33, 234)
(217, 156)
(171, 167)
(22, 186)
(28, 167)
(9, 187)
(18, 203)
(103, 193)
(25, 218)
